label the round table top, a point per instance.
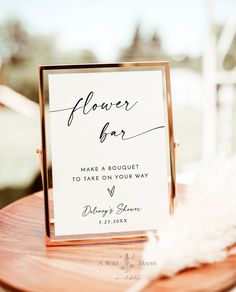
(28, 265)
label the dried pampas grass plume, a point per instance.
(202, 228)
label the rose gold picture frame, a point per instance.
(43, 151)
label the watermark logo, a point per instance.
(128, 263)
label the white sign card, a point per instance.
(109, 148)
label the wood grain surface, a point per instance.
(27, 265)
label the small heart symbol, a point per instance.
(111, 191)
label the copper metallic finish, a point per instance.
(51, 239)
(43, 153)
(171, 140)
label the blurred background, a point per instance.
(197, 37)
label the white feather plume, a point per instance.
(202, 228)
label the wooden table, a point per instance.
(26, 264)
